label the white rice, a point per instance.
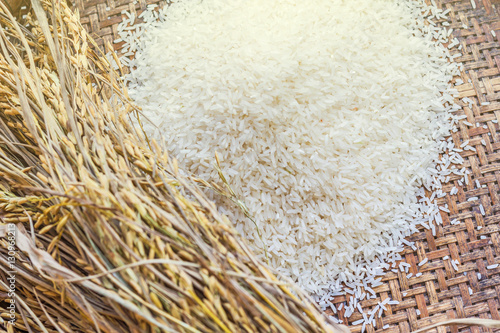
(423, 262)
(454, 264)
(481, 209)
(328, 117)
(357, 322)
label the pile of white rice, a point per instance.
(328, 117)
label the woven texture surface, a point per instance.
(441, 292)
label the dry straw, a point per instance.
(110, 236)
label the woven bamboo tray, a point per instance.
(441, 292)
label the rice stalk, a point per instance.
(110, 236)
(487, 323)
